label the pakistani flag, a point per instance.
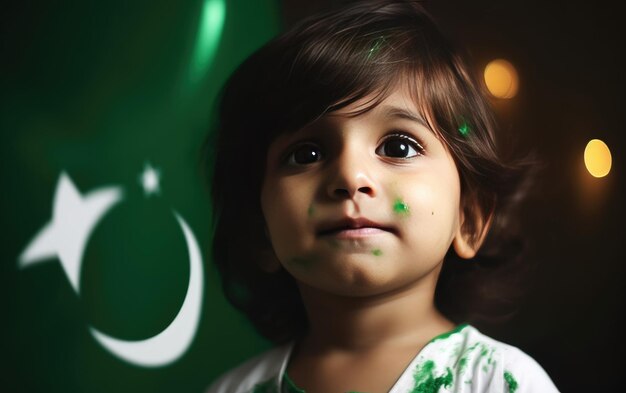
(106, 270)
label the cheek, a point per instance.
(286, 208)
(434, 206)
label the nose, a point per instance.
(350, 177)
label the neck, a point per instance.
(404, 317)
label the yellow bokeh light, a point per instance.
(597, 158)
(501, 79)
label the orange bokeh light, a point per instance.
(501, 79)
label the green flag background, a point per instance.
(99, 90)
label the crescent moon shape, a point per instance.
(171, 343)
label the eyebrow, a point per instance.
(401, 113)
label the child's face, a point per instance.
(355, 207)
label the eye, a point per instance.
(399, 146)
(304, 154)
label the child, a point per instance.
(355, 154)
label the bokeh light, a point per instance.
(597, 158)
(501, 79)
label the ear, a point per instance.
(466, 243)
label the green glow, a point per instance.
(464, 129)
(427, 382)
(377, 252)
(376, 47)
(209, 33)
(399, 207)
(510, 380)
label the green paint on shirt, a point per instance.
(510, 380)
(485, 356)
(462, 364)
(377, 252)
(463, 360)
(443, 336)
(401, 208)
(427, 382)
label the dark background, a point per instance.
(94, 88)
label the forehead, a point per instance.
(396, 104)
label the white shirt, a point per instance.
(462, 360)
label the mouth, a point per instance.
(353, 228)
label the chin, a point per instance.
(359, 281)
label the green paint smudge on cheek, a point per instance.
(400, 208)
(377, 252)
(310, 211)
(427, 382)
(510, 380)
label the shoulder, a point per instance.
(522, 373)
(259, 374)
(466, 361)
(508, 367)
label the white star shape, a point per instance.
(74, 217)
(150, 179)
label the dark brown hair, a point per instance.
(323, 64)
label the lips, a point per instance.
(353, 227)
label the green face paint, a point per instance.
(400, 208)
(310, 211)
(510, 380)
(377, 252)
